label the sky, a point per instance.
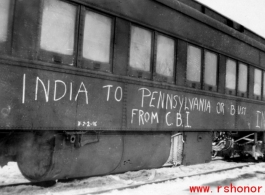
(249, 13)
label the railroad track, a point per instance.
(164, 180)
(50, 183)
(43, 184)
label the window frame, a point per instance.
(141, 73)
(231, 91)
(207, 86)
(239, 93)
(194, 84)
(156, 76)
(91, 64)
(5, 47)
(54, 57)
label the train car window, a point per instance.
(194, 59)
(230, 80)
(57, 34)
(97, 41)
(6, 22)
(263, 85)
(4, 17)
(165, 58)
(257, 83)
(210, 70)
(242, 80)
(140, 52)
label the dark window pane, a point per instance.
(264, 85)
(230, 74)
(165, 56)
(4, 15)
(210, 69)
(257, 82)
(242, 78)
(194, 64)
(58, 27)
(97, 37)
(140, 49)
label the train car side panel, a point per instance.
(50, 100)
(152, 108)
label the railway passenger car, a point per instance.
(95, 87)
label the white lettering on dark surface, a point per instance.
(220, 108)
(55, 98)
(87, 124)
(60, 90)
(170, 101)
(178, 104)
(56, 90)
(23, 88)
(46, 90)
(71, 91)
(241, 110)
(144, 117)
(187, 118)
(118, 90)
(82, 89)
(168, 124)
(150, 107)
(117, 94)
(260, 119)
(232, 110)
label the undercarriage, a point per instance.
(238, 144)
(52, 155)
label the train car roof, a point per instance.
(216, 20)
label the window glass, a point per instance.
(140, 48)
(263, 85)
(165, 56)
(230, 74)
(4, 13)
(210, 70)
(257, 82)
(58, 27)
(242, 78)
(194, 64)
(97, 37)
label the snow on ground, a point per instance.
(247, 176)
(254, 175)
(11, 174)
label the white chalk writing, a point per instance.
(87, 124)
(117, 94)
